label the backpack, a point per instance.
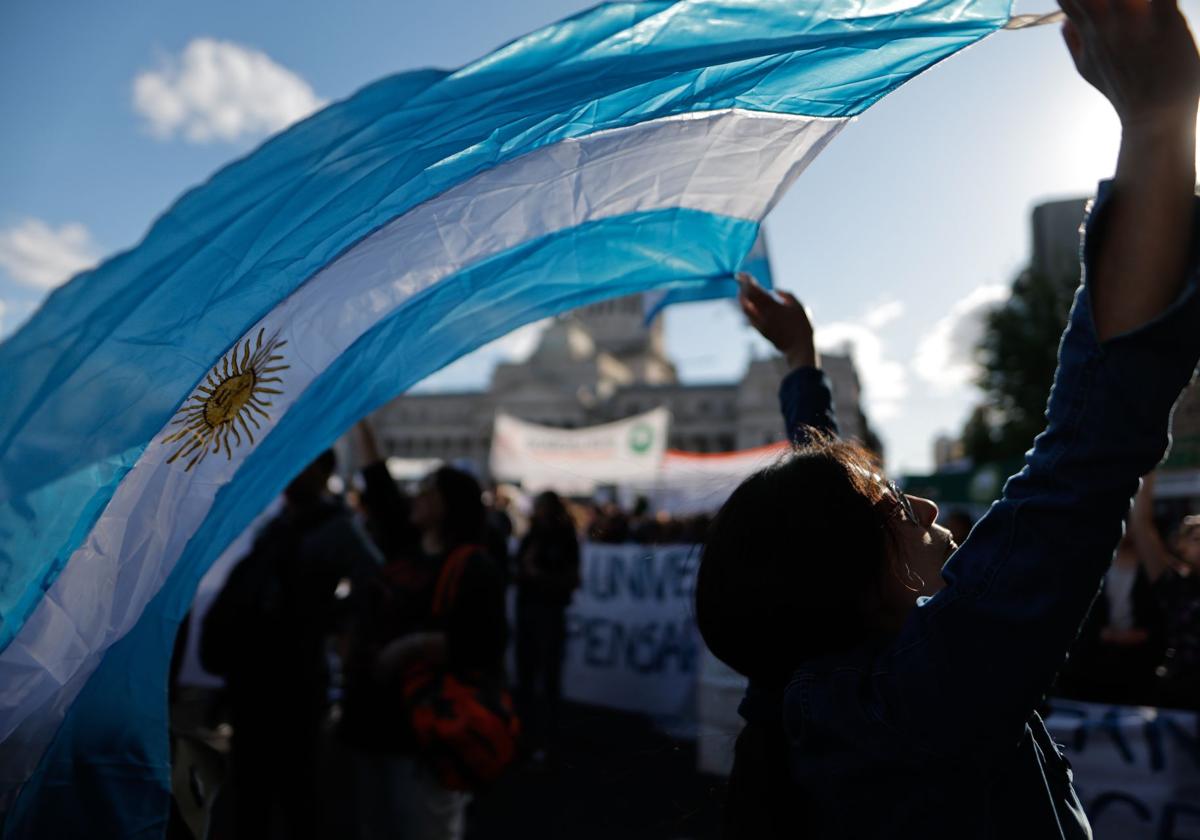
(466, 731)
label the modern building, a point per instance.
(599, 364)
(1056, 227)
(1056, 232)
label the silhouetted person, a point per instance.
(547, 575)
(266, 634)
(498, 531)
(395, 629)
(1122, 640)
(1175, 582)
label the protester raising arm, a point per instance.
(387, 508)
(804, 395)
(1141, 56)
(971, 664)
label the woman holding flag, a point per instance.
(895, 676)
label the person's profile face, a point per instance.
(921, 545)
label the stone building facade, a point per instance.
(600, 364)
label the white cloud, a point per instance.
(35, 254)
(519, 344)
(883, 314)
(884, 380)
(219, 90)
(945, 356)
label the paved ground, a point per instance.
(613, 777)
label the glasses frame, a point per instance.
(902, 501)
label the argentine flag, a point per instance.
(756, 263)
(155, 404)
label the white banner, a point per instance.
(632, 642)
(576, 461)
(1137, 770)
(690, 483)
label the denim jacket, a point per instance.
(933, 732)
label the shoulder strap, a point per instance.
(446, 589)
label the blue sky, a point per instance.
(915, 216)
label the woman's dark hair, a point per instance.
(462, 501)
(794, 561)
(557, 516)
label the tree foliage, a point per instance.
(1017, 356)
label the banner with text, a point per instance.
(632, 643)
(576, 461)
(1137, 770)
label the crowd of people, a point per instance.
(610, 523)
(389, 609)
(1140, 644)
(396, 607)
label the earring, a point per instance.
(911, 577)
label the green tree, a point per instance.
(1017, 356)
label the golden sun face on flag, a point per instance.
(231, 396)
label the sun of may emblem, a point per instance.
(231, 396)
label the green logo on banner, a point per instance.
(641, 437)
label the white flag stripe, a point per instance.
(694, 161)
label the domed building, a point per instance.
(598, 364)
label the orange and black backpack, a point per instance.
(466, 729)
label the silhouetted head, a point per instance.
(312, 482)
(449, 505)
(813, 555)
(1187, 542)
(549, 511)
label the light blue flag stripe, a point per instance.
(131, 775)
(90, 368)
(757, 263)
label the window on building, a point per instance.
(725, 443)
